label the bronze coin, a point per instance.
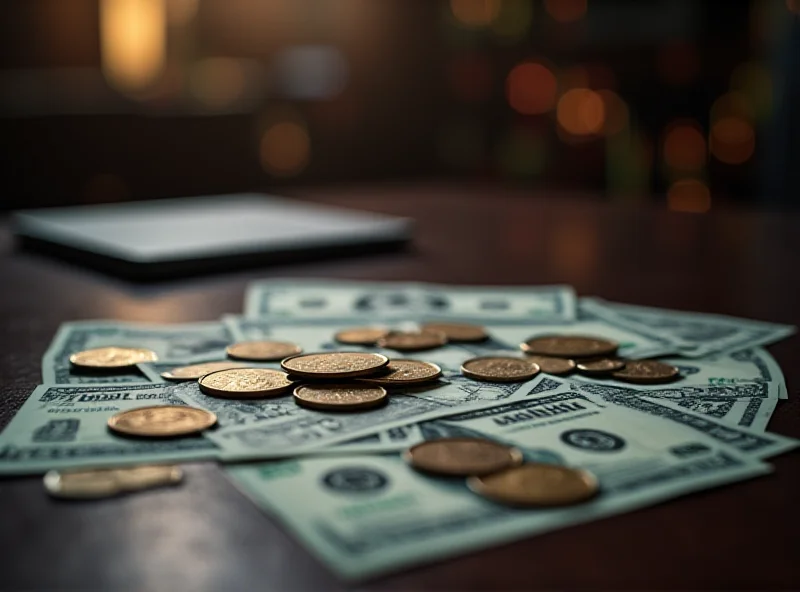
(413, 340)
(111, 358)
(162, 421)
(550, 365)
(535, 484)
(600, 366)
(458, 332)
(262, 351)
(340, 397)
(360, 335)
(400, 373)
(499, 369)
(245, 383)
(327, 365)
(569, 346)
(647, 372)
(462, 457)
(196, 371)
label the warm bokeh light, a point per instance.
(689, 195)
(732, 104)
(581, 112)
(754, 80)
(132, 42)
(181, 12)
(565, 11)
(475, 13)
(514, 19)
(732, 140)
(531, 88)
(285, 148)
(684, 146)
(616, 112)
(522, 152)
(217, 82)
(574, 77)
(471, 77)
(678, 63)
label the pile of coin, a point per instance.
(497, 472)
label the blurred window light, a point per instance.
(522, 152)
(565, 11)
(217, 82)
(684, 146)
(754, 81)
(531, 88)
(514, 19)
(689, 195)
(132, 42)
(581, 112)
(678, 63)
(471, 77)
(474, 14)
(285, 148)
(732, 140)
(181, 12)
(617, 115)
(310, 72)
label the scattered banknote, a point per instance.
(693, 334)
(364, 515)
(185, 342)
(309, 301)
(65, 426)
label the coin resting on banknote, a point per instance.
(111, 358)
(334, 365)
(600, 366)
(499, 369)
(262, 351)
(340, 397)
(360, 335)
(646, 372)
(413, 340)
(569, 346)
(196, 371)
(245, 383)
(163, 421)
(534, 484)
(462, 457)
(551, 365)
(399, 373)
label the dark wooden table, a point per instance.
(207, 536)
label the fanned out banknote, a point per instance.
(185, 343)
(310, 301)
(65, 426)
(365, 515)
(692, 334)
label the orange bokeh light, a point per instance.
(531, 88)
(581, 112)
(685, 146)
(565, 11)
(616, 112)
(732, 140)
(475, 13)
(689, 195)
(285, 148)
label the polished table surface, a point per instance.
(205, 535)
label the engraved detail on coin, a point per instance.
(405, 372)
(569, 346)
(334, 364)
(340, 397)
(245, 383)
(462, 457)
(600, 366)
(360, 335)
(499, 369)
(162, 421)
(534, 484)
(112, 357)
(457, 332)
(550, 365)
(413, 340)
(196, 371)
(262, 351)
(647, 372)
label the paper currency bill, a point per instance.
(365, 515)
(185, 342)
(310, 301)
(64, 426)
(694, 334)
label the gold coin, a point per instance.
(534, 484)
(162, 421)
(462, 457)
(262, 351)
(339, 397)
(646, 372)
(329, 365)
(196, 371)
(413, 340)
(245, 383)
(569, 346)
(97, 483)
(107, 358)
(499, 369)
(601, 366)
(555, 366)
(360, 335)
(405, 372)
(458, 332)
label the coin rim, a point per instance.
(599, 372)
(484, 335)
(385, 382)
(299, 350)
(262, 394)
(345, 342)
(347, 407)
(474, 376)
(90, 367)
(476, 485)
(442, 341)
(111, 423)
(515, 454)
(525, 347)
(573, 364)
(328, 375)
(648, 380)
(166, 373)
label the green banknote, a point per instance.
(369, 514)
(63, 426)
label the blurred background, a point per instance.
(683, 102)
